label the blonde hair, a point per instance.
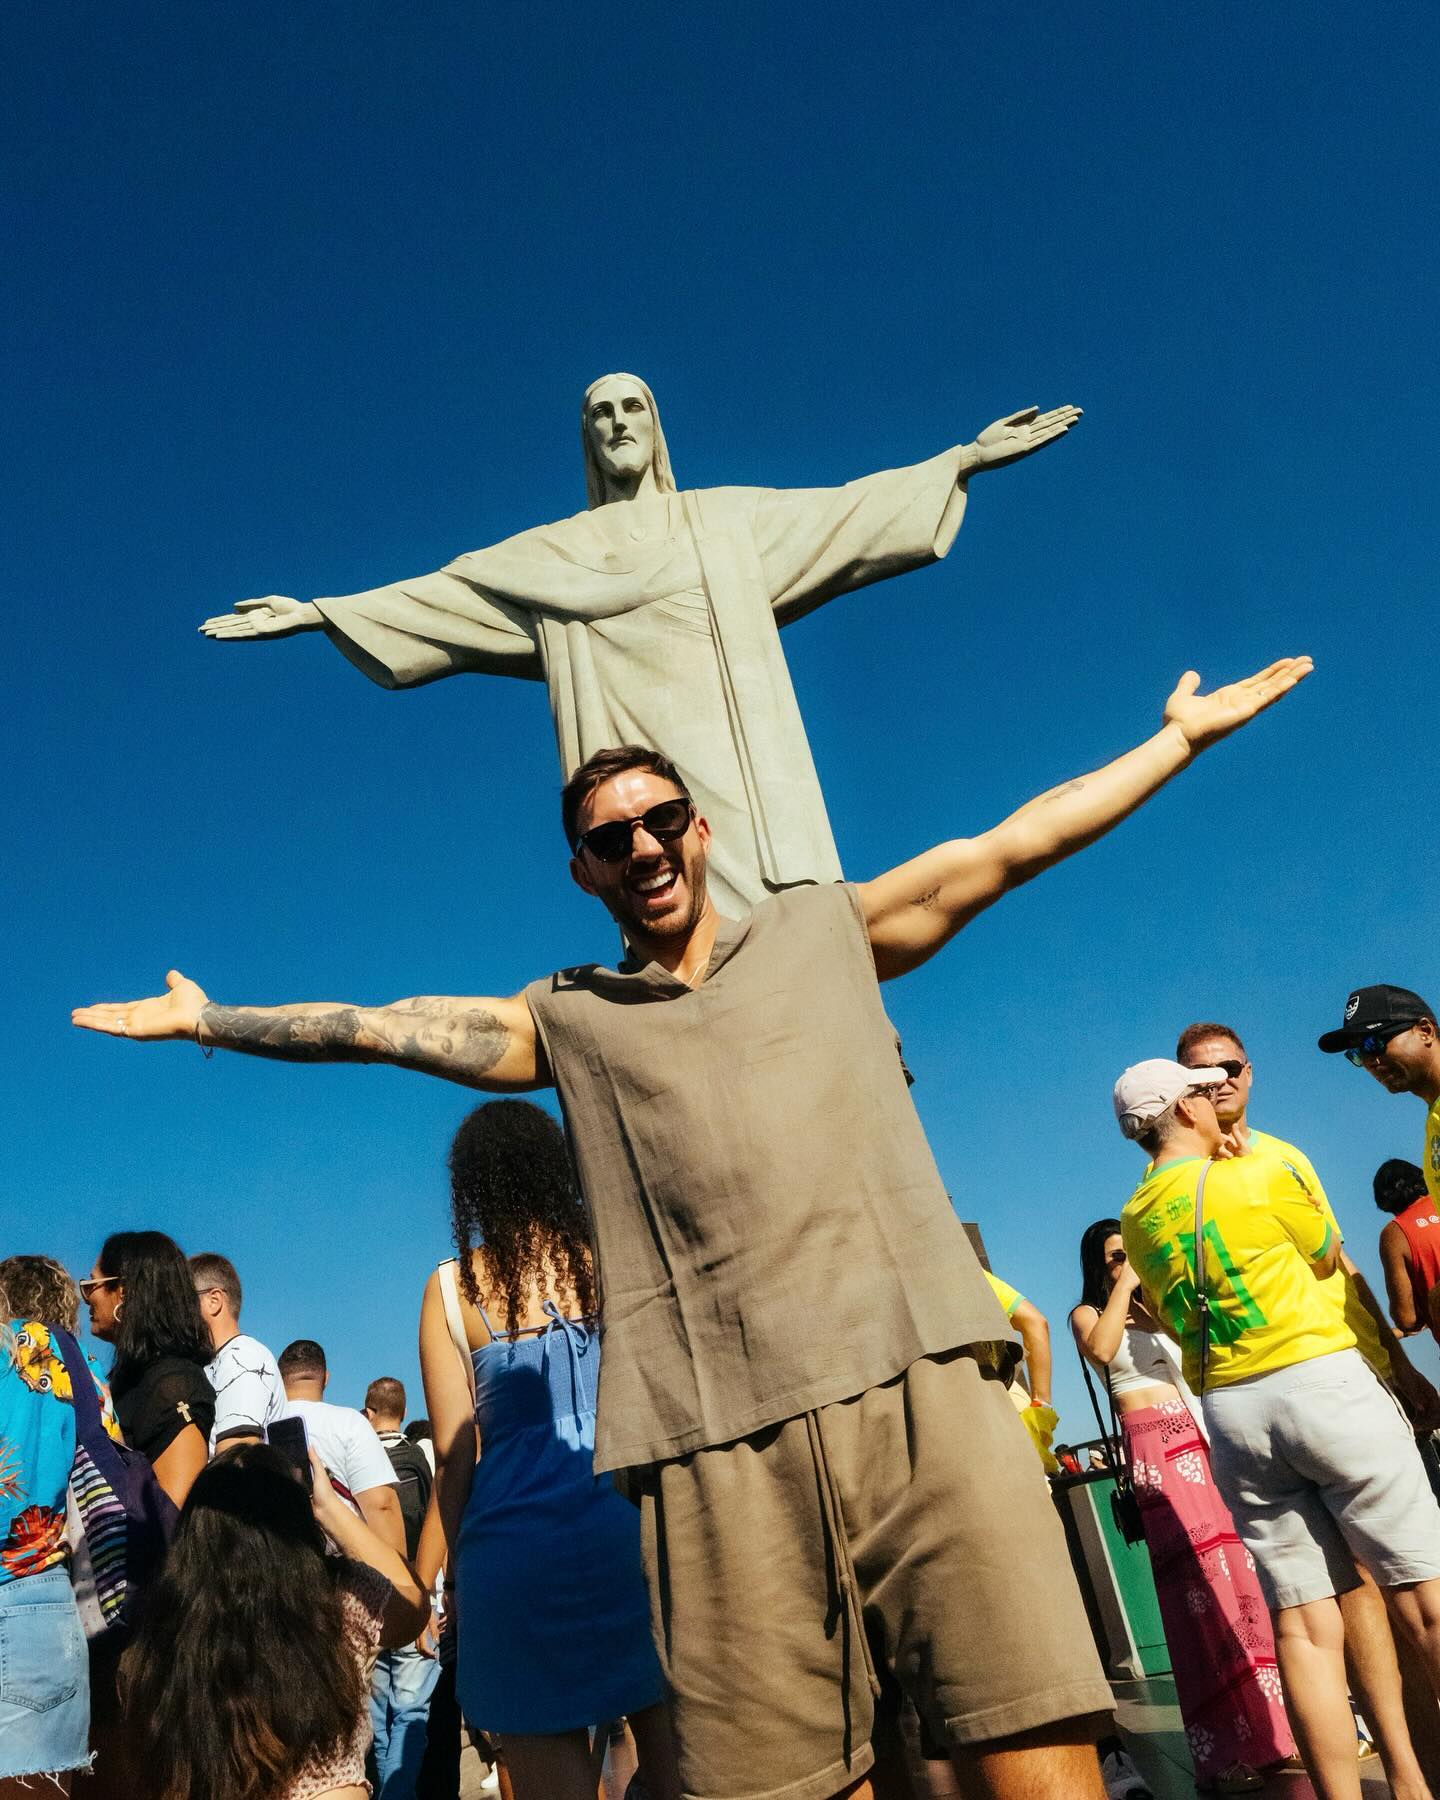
(595, 494)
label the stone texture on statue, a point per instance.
(655, 620)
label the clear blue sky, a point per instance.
(302, 298)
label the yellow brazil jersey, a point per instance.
(1432, 1151)
(1340, 1288)
(1263, 1228)
(1008, 1296)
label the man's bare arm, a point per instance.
(480, 1043)
(915, 909)
(1405, 1303)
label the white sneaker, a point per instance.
(1123, 1781)
(491, 1783)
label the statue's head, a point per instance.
(622, 437)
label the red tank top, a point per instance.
(1422, 1242)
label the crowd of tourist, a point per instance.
(295, 1631)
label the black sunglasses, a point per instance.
(1373, 1043)
(612, 841)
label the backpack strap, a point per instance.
(1202, 1299)
(89, 1426)
(448, 1271)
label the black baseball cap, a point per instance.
(1374, 1009)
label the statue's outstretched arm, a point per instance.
(815, 543)
(915, 909)
(481, 1043)
(276, 615)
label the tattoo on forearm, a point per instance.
(439, 1036)
(1059, 793)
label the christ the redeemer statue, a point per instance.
(653, 618)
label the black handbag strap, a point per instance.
(1202, 1299)
(1114, 1435)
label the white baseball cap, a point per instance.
(1147, 1089)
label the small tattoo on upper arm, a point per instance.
(929, 899)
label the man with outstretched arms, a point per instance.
(789, 1301)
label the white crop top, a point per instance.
(1143, 1359)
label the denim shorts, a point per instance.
(1320, 1470)
(44, 1678)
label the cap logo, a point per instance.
(1352, 1006)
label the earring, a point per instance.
(119, 1308)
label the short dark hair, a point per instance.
(1398, 1184)
(386, 1395)
(1206, 1028)
(211, 1270)
(603, 766)
(419, 1432)
(303, 1357)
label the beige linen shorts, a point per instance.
(904, 1536)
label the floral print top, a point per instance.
(37, 1447)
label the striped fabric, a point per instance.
(103, 1515)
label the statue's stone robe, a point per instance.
(655, 621)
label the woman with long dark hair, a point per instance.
(249, 1675)
(1217, 1628)
(142, 1300)
(554, 1625)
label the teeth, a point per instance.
(655, 882)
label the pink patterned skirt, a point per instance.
(1217, 1628)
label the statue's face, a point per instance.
(621, 428)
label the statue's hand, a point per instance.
(173, 1014)
(277, 615)
(1206, 718)
(1023, 433)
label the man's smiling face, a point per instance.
(658, 889)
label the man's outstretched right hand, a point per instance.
(275, 615)
(174, 1014)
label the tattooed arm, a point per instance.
(480, 1043)
(915, 909)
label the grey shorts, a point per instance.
(1320, 1470)
(903, 1539)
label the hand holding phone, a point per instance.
(288, 1436)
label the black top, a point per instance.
(171, 1394)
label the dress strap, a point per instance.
(448, 1272)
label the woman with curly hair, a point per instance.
(544, 1555)
(142, 1300)
(249, 1675)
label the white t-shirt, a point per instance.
(248, 1390)
(346, 1443)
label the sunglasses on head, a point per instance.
(1373, 1044)
(612, 841)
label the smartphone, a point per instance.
(288, 1436)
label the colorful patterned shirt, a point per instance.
(37, 1448)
